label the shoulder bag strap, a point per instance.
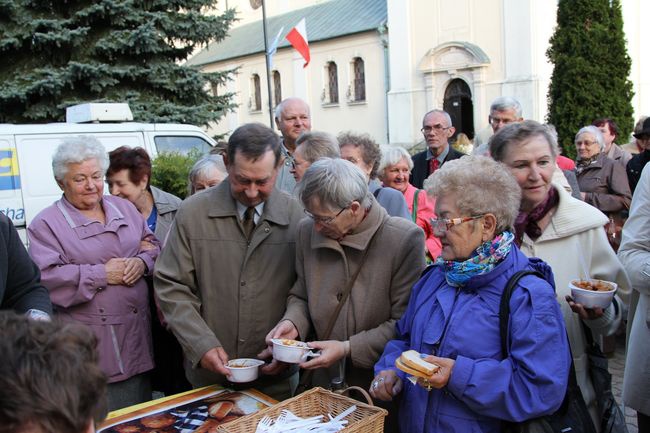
(414, 214)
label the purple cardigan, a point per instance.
(71, 251)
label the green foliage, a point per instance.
(591, 69)
(56, 54)
(170, 171)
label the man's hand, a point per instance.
(582, 311)
(134, 270)
(386, 385)
(331, 351)
(115, 271)
(215, 360)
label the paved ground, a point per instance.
(616, 368)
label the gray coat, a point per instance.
(214, 288)
(379, 295)
(166, 205)
(635, 255)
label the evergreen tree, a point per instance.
(59, 53)
(591, 69)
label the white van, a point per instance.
(27, 183)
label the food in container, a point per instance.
(592, 293)
(243, 369)
(291, 351)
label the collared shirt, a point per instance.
(441, 157)
(285, 180)
(241, 210)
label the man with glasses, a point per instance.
(229, 263)
(437, 130)
(504, 110)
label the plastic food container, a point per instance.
(592, 293)
(243, 369)
(291, 351)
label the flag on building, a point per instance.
(274, 47)
(297, 37)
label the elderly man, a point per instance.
(638, 161)
(226, 270)
(609, 129)
(311, 147)
(503, 110)
(437, 130)
(292, 118)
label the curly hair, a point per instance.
(369, 149)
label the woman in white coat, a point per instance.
(566, 233)
(635, 255)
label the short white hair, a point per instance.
(75, 150)
(391, 155)
(593, 131)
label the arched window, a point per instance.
(277, 88)
(359, 80)
(256, 97)
(333, 83)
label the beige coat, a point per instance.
(576, 229)
(380, 293)
(217, 290)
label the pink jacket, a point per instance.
(423, 218)
(71, 251)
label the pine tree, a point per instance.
(591, 69)
(62, 52)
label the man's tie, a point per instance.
(249, 222)
(434, 164)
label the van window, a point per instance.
(182, 144)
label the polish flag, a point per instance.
(297, 37)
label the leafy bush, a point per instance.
(169, 171)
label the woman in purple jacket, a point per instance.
(453, 316)
(93, 252)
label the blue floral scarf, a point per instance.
(485, 258)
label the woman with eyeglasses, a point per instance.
(565, 232)
(452, 317)
(348, 239)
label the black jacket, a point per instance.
(421, 166)
(635, 167)
(20, 279)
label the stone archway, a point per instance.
(454, 79)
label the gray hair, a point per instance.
(75, 150)
(336, 183)
(517, 133)
(481, 185)
(443, 112)
(279, 109)
(593, 131)
(504, 103)
(202, 168)
(391, 155)
(318, 145)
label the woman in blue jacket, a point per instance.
(453, 316)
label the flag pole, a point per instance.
(268, 64)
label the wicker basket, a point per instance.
(316, 401)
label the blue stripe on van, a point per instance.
(9, 182)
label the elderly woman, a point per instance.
(364, 152)
(453, 316)
(344, 243)
(207, 172)
(565, 232)
(394, 171)
(603, 182)
(311, 146)
(128, 176)
(88, 247)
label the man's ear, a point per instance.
(355, 206)
(451, 131)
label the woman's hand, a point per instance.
(285, 329)
(441, 377)
(331, 351)
(582, 311)
(134, 270)
(386, 385)
(146, 246)
(115, 271)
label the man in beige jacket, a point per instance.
(225, 273)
